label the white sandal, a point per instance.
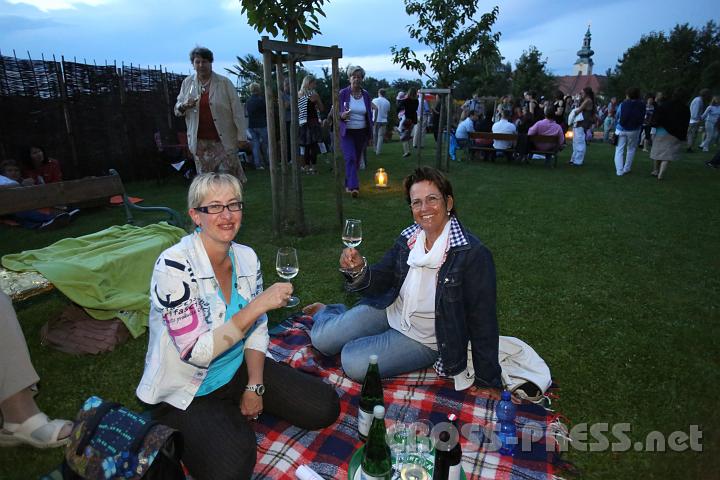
(37, 431)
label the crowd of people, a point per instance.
(430, 300)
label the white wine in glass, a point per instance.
(352, 233)
(287, 267)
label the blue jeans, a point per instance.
(362, 331)
(259, 142)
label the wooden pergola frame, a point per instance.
(279, 53)
(442, 161)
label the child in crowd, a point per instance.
(32, 219)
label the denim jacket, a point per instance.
(464, 300)
(184, 309)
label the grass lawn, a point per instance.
(614, 281)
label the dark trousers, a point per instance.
(353, 145)
(220, 441)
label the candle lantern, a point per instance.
(381, 178)
(569, 135)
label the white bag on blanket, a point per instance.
(519, 364)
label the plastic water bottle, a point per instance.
(505, 428)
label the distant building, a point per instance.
(582, 69)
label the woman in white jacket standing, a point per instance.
(214, 116)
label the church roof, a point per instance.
(573, 84)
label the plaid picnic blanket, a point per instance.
(423, 395)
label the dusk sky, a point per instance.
(151, 32)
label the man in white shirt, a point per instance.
(464, 128)
(504, 126)
(697, 107)
(381, 107)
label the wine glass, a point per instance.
(194, 95)
(397, 440)
(287, 267)
(352, 233)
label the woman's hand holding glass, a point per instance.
(192, 97)
(351, 261)
(275, 296)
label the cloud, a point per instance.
(48, 5)
(9, 23)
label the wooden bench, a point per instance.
(489, 138)
(551, 141)
(18, 199)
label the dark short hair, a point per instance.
(201, 52)
(381, 92)
(633, 93)
(434, 176)
(8, 163)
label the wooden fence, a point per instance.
(89, 117)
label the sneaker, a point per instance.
(406, 154)
(56, 222)
(712, 165)
(355, 193)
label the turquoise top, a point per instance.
(223, 368)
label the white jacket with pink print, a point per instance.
(185, 308)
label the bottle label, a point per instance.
(367, 476)
(364, 421)
(454, 472)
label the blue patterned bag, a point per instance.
(109, 441)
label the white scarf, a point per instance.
(418, 259)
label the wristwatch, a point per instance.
(259, 389)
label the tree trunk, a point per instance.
(284, 141)
(272, 146)
(338, 165)
(300, 228)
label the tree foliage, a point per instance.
(687, 59)
(249, 69)
(531, 74)
(454, 36)
(296, 19)
(488, 76)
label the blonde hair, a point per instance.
(351, 69)
(304, 87)
(205, 183)
(254, 88)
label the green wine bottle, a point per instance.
(448, 457)
(370, 396)
(376, 462)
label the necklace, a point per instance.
(357, 96)
(204, 85)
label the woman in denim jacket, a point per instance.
(206, 370)
(431, 295)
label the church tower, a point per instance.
(584, 63)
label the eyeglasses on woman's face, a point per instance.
(217, 208)
(431, 201)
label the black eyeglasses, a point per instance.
(216, 208)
